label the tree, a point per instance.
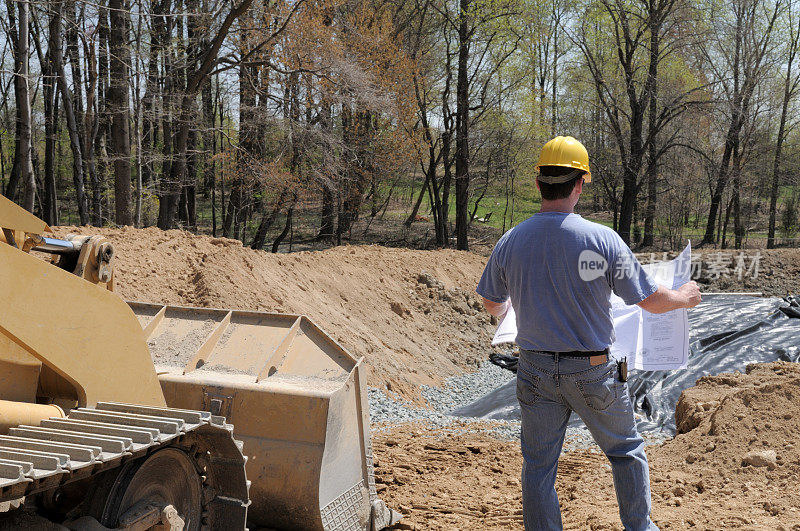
(203, 58)
(625, 95)
(738, 61)
(22, 170)
(790, 86)
(119, 109)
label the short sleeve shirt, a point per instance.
(559, 271)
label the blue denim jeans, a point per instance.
(548, 389)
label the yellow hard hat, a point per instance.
(566, 152)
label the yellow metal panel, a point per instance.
(13, 216)
(283, 428)
(19, 372)
(85, 333)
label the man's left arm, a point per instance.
(492, 287)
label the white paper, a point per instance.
(651, 342)
(507, 329)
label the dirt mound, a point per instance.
(773, 272)
(737, 466)
(739, 439)
(414, 315)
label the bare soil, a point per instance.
(414, 315)
(738, 467)
(772, 272)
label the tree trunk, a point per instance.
(209, 152)
(22, 169)
(788, 92)
(415, 209)
(442, 191)
(69, 112)
(50, 201)
(190, 185)
(267, 220)
(462, 131)
(724, 243)
(652, 163)
(118, 109)
(627, 204)
(287, 227)
(327, 223)
(738, 224)
(328, 214)
(722, 181)
(360, 125)
(150, 120)
(100, 139)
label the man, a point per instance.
(564, 331)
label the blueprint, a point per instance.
(651, 342)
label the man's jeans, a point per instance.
(549, 388)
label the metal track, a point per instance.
(91, 440)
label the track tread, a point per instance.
(31, 457)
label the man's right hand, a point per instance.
(691, 292)
(666, 300)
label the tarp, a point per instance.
(727, 332)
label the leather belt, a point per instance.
(575, 353)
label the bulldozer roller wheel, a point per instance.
(126, 466)
(167, 477)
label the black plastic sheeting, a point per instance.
(727, 332)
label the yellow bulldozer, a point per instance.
(118, 415)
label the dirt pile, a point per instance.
(739, 440)
(737, 466)
(413, 314)
(773, 272)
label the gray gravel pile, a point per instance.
(459, 391)
(388, 409)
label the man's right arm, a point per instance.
(665, 299)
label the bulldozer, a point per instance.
(134, 415)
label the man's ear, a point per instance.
(537, 184)
(579, 187)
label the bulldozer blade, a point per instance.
(297, 400)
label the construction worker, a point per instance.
(558, 271)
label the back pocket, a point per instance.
(527, 387)
(600, 391)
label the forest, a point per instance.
(288, 120)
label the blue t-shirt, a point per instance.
(559, 271)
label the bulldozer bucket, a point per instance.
(297, 400)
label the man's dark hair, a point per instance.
(552, 192)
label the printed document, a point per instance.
(651, 342)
